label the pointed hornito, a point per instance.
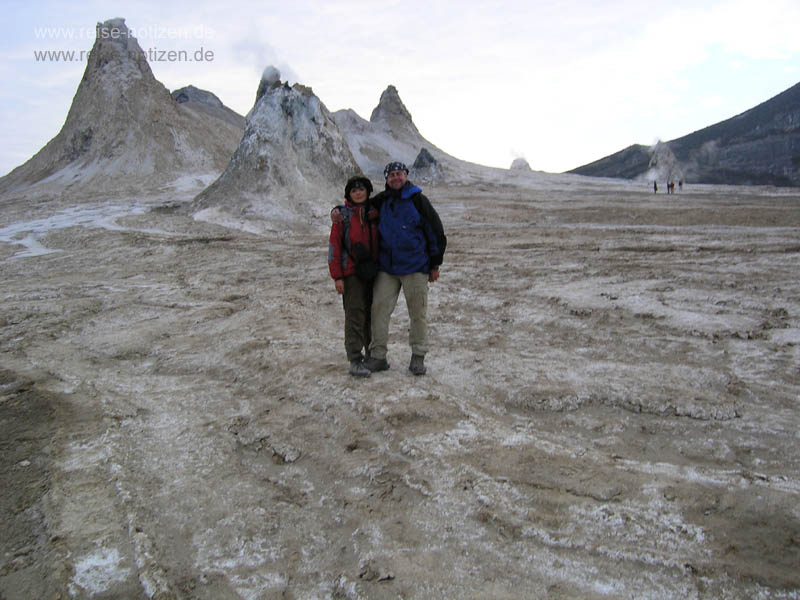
(520, 164)
(290, 162)
(393, 114)
(663, 164)
(389, 135)
(270, 78)
(124, 132)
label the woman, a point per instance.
(352, 262)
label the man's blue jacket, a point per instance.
(412, 238)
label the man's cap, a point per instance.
(394, 166)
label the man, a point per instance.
(412, 245)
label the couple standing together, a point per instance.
(377, 246)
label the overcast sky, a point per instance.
(560, 83)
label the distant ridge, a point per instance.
(761, 146)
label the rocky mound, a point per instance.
(206, 103)
(664, 165)
(291, 163)
(520, 164)
(426, 168)
(124, 132)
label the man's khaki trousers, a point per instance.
(384, 300)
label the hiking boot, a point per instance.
(357, 368)
(417, 366)
(376, 364)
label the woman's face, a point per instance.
(358, 195)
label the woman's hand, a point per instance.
(339, 283)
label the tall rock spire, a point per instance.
(390, 134)
(290, 162)
(124, 132)
(392, 114)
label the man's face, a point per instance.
(396, 179)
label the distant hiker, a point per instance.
(412, 245)
(352, 262)
(655, 187)
(680, 184)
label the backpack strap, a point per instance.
(347, 213)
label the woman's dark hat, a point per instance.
(353, 182)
